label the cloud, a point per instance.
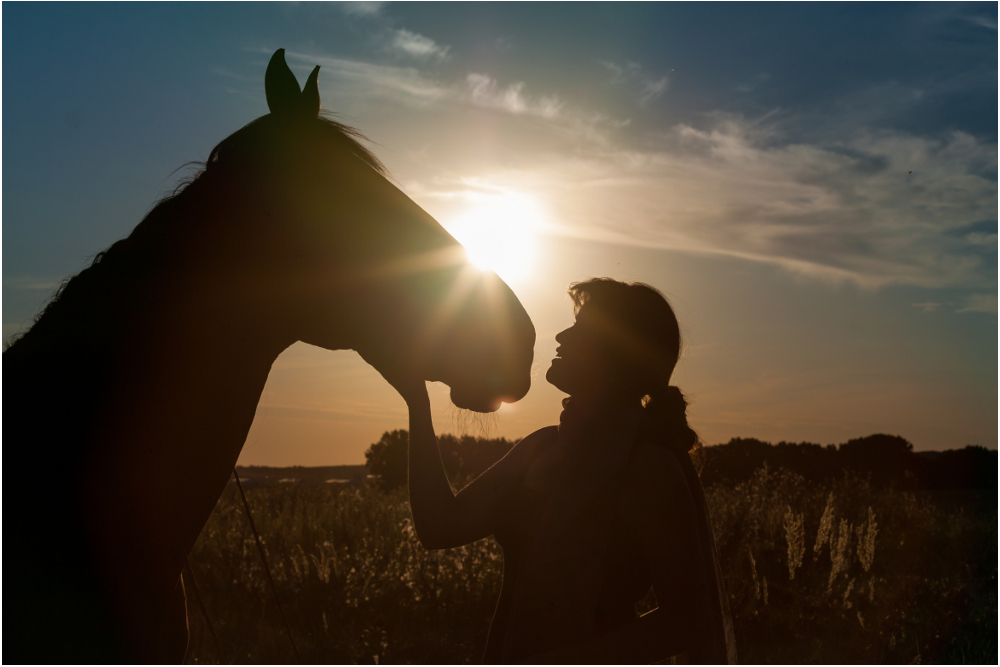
(367, 83)
(982, 22)
(485, 92)
(845, 212)
(871, 207)
(652, 90)
(503, 44)
(416, 46)
(622, 72)
(406, 86)
(981, 233)
(928, 307)
(979, 303)
(878, 207)
(630, 73)
(31, 283)
(753, 84)
(361, 8)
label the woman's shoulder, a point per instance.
(527, 449)
(543, 434)
(530, 445)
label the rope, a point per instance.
(267, 569)
(201, 605)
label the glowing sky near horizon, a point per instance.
(813, 186)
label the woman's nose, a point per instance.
(561, 336)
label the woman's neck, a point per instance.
(583, 413)
(600, 402)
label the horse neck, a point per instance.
(188, 368)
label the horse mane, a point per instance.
(118, 264)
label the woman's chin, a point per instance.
(555, 377)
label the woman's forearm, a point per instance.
(432, 500)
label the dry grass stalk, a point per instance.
(825, 527)
(847, 594)
(796, 539)
(839, 547)
(866, 540)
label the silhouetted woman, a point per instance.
(594, 511)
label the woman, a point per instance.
(594, 511)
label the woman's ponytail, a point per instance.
(665, 420)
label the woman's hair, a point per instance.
(642, 341)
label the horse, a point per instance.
(127, 402)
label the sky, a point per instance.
(812, 186)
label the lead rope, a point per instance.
(204, 612)
(267, 569)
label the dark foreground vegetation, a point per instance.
(847, 564)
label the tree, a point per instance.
(387, 458)
(886, 457)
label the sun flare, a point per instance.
(499, 231)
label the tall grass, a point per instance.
(353, 580)
(835, 573)
(845, 573)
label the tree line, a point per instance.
(888, 460)
(464, 457)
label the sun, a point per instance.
(499, 232)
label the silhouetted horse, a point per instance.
(127, 403)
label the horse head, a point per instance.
(351, 262)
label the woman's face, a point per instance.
(580, 365)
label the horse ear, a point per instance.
(281, 88)
(310, 94)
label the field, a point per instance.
(839, 572)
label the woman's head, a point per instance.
(624, 345)
(625, 340)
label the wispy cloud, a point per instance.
(416, 46)
(31, 283)
(485, 92)
(370, 81)
(409, 86)
(622, 72)
(982, 21)
(979, 303)
(928, 307)
(652, 90)
(753, 84)
(630, 73)
(361, 8)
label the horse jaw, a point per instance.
(487, 355)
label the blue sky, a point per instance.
(813, 185)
